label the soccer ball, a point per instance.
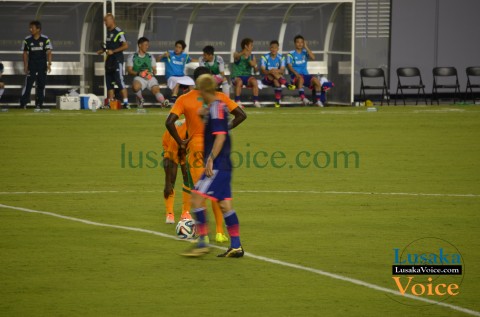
(186, 229)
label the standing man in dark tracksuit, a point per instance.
(115, 45)
(37, 61)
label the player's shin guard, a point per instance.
(186, 198)
(233, 227)
(169, 202)
(201, 223)
(160, 98)
(301, 93)
(217, 212)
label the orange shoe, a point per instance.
(170, 218)
(186, 215)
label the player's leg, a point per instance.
(119, 80)
(155, 89)
(186, 193)
(315, 84)
(233, 227)
(137, 88)
(2, 88)
(27, 89)
(278, 92)
(238, 89)
(200, 215)
(170, 168)
(175, 92)
(299, 81)
(40, 89)
(252, 83)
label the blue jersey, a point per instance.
(175, 64)
(217, 123)
(298, 61)
(272, 63)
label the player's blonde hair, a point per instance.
(206, 83)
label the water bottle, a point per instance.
(94, 105)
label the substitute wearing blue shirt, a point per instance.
(272, 66)
(297, 64)
(175, 61)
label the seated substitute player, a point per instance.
(175, 61)
(273, 67)
(297, 65)
(143, 66)
(189, 105)
(217, 67)
(2, 84)
(171, 158)
(244, 63)
(215, 183)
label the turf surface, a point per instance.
(343, 220)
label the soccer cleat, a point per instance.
(37, 109)
(306, 102)
(126, 106)
(170, 219)
(257, 104)
(186, 215)
(206, 240)
(319, 103)
(277, 104)
(221, 237)
(232, 253)
(196, 252)
(291, 87)
(166, 103)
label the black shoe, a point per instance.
(232, 253)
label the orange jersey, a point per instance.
(190, 103)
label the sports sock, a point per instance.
(278, 94)
(237, 98)
(125, 101)
(139, 95)
(255, 98)
(186, 198)
(318, 96)
(301, 92)
(233, 227)
(217, 212)
(201, 223)
(169, 202)
(174, 98)
(159, 97)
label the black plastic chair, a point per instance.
(472, 72)
(444, 72)
(373, 73)
(410, 72)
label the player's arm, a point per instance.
(309, 52)
(49, 59)
(164, 56)
(238, 55)
(170, 124)
(217, 147)
(130, 70)
(292, 70)
(238, 114)
(281, 70)
(154, 65)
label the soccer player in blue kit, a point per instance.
(215, 183)
(297, 65)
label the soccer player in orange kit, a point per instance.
(189, 105)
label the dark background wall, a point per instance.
(430, 33)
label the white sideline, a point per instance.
(247, 191)
(257, 257)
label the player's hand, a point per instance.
(26, 70)
(184, 144)
(143, 73)
(49, 68)
(167, 54)
(209, 167)
(110, 52)
(100, 52)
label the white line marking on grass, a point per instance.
(257, 257)
(244, 191)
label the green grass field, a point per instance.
(341, 220)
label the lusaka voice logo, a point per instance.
(428, 267)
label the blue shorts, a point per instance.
(243, 78)
(217, 187)
(307, 80)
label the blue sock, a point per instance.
(301, 92)
(318, 96)
(233, 227)
(201, 223)
(255, 98)
(237, 98)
